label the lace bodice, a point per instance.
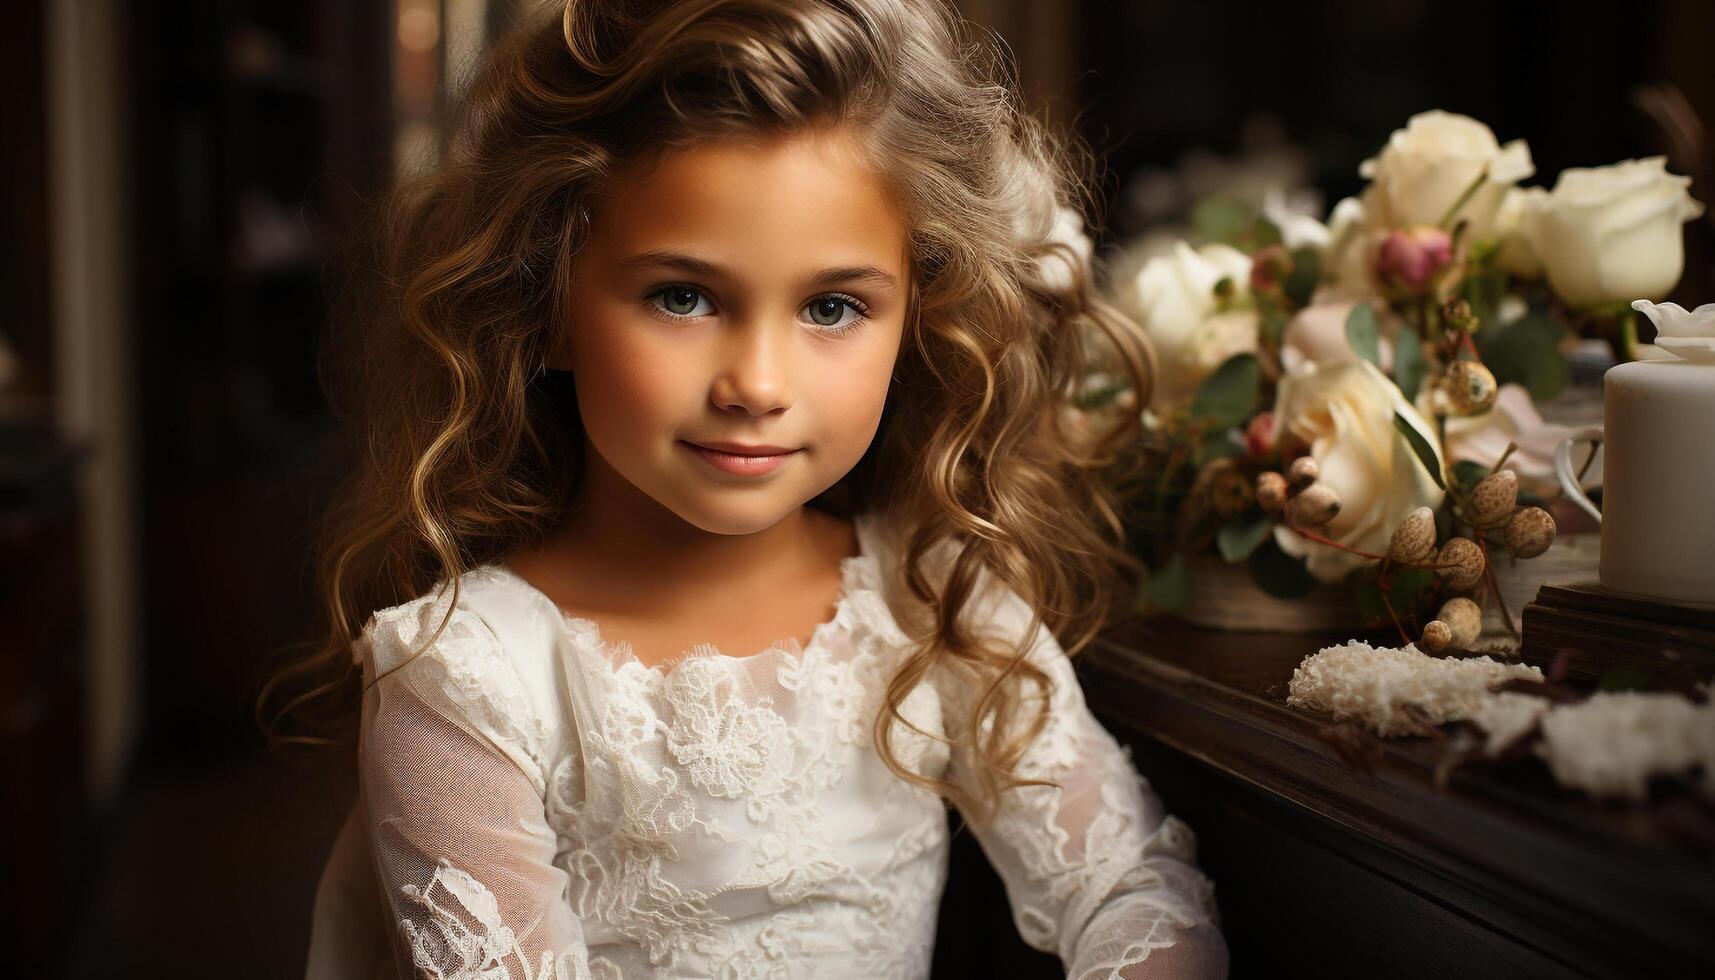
(536, 803)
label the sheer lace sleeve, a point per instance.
(1096, 871)
(450, 772)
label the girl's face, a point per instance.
(738, 295)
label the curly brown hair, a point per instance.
(461, 449)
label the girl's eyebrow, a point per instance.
(659, 257)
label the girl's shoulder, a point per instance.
(483, 657)
(486, 609)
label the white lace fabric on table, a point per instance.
(538, 805)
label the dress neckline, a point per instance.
(856, 575)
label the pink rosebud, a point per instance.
(1415, 256)
(1260, 433)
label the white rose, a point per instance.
(1349, 262)
(1428, 164)
(1173, 297)
(1517, 256)
(1344, 412)
(1297, 229)
(1609, 234)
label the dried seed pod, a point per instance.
(1460, 564)
(1313, 506)
(1470, 387)
(1464, 618)
(1530, 532)
(1230, 493)
(1270, 491)
(1493, 499)
(1436, 636)
(1414, 539)
(1303, 472)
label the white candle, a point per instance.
(1658, 493)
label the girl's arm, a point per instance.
(463, 850)
(1096, 871)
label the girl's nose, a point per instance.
(754, 375)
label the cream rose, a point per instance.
(1428, 164)
(1349, 261)
(1344, 411)
(1611, 234)
(1173, 297)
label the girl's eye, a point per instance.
(681, 301)
(829, 312)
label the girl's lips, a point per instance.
(736, 464)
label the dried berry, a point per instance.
(1530, 532)
(1303, 472)
(1436, 636)
(1464, 618)
(1493, 499)
(1313, 506)
(1270, 491)
(1460, 564)
(1414, 539)
(1470, 387)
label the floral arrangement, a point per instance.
(1355, 401)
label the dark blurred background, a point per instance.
(177, 179)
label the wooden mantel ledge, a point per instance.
(1613, 887)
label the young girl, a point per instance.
(715, 477)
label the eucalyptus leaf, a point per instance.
(1237, 541)
(1300, 283)
(1278, 573)
(1420, 446)
(1218, 218)
(1527, 351)
(1409, 366)
(1228, 396)
(1362, 332)
(1265, 232)
(1169, 588)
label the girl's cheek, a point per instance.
(622, 372)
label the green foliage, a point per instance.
(1527, 351)
(1271, 325)
(1363, 333)
(1300, 283)
(1409, 366)
(1217, 218)
(1168, 589)
(1278, 573)
(1236, 542)
(1228, 396)
(1264, 233)
(1484, 291)
(1420, 446)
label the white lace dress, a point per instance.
(536, 803)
